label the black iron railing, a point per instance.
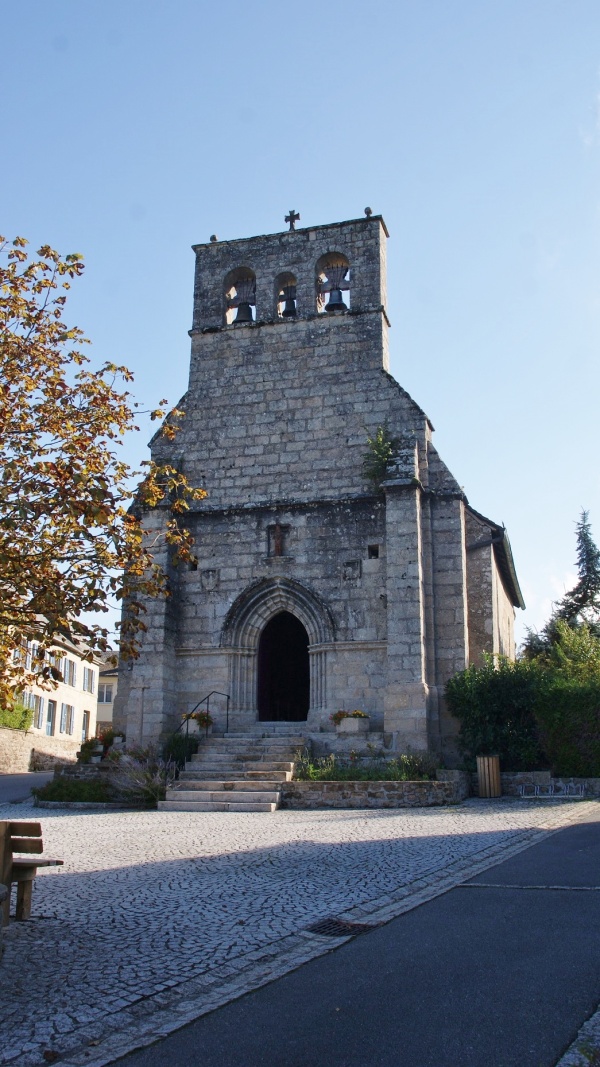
(180, 752)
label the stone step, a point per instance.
(191, 805)
(233, 796)
(218, 760)
(239, 742)
(196, 774)
(280, 730)
(249, 764)
(235, 784)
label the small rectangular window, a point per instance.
(89, 680)
(105, 693)
(69, 672)
(50, 717)
(373, 551)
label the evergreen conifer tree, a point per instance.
(581, 605)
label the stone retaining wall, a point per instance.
(86, 772)
(451, 788)
(22, 750)
(512, 781)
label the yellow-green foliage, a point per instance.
(16, 717)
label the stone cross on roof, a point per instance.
(292, 218)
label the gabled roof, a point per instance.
(504, 558)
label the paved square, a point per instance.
(157, 917)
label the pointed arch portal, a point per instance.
(283, 688)
(277, 632)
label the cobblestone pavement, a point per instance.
(158, 917)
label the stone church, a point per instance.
(315, 589)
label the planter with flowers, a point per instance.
(205, 721)
(350, 722)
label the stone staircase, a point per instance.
(237, 772)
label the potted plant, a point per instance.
(350, 722)
(204, 720)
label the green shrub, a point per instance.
(74, 789)
(179, 748)
(377, 460)
(495, 705)
(87, 750)
(409, 767)
(17, 717)
(568, 715)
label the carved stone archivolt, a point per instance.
(247, 618)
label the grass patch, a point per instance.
(408, 767)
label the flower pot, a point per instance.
(353, 726)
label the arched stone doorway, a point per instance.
(244, 625)
(283, 684)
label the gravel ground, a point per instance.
(158, 917)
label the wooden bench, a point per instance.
(21, 837)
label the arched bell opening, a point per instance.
(239, 290)
(283, 682)
(332, 282)
(285, 296)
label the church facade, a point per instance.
(314, 588)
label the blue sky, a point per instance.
(134, 129)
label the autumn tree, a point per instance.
(71, 533)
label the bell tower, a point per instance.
(356, 594)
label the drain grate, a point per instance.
(333, 927)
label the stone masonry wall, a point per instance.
(28, 751)
(277, 417)
(512, 781)
(281, 411)
(312, 795)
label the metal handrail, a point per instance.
(186, 718)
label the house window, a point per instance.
(105, 693)
(67, 716)
(38, 712)
(50, 717)
(70, 718)
(85, 726)
(89, 680)
(69, 672)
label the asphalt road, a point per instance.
(501, 972)
(17, 787)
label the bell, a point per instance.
(244, 314)
(336, 302)
(288, 293)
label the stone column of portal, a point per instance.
(406, 690)
(146, 701)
